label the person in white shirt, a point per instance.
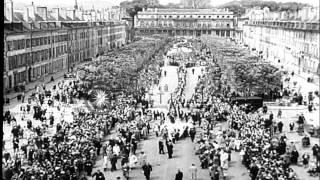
(133, 160)
(193, 170)
(116, 149)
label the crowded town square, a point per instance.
(163, 108)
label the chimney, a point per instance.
(43, 13)
(55, 13)
(26, 14)
(9, 10)
(32, 11)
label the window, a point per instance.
(45, 42)
(217, 16)
(204, 16)
(227, 16)
(190, 16)
(222, 16)
(170, 16)
(178, 16)
(9, 45)
(199, 16)
(41, 41)
(209, 16)
(184, 16)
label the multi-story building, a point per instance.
(286, 38)
(39, 42)
(185, 22)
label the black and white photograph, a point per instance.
(160, 90)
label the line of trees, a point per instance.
(239, 7)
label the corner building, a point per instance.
(38, 43)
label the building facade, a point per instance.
(294, 42)
(37, 43)
(185, 22)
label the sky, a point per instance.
(106, 3)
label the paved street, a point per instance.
(184, 150)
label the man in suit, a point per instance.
(179, 175)
(161, 151)
(170, 149)
(147, 168)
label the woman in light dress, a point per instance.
(133, 160)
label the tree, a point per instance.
(132, 7)
(196, 4)
(171, 6)
(238, 7)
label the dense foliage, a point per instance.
(239, 7)
(121, 70)
(245, 72)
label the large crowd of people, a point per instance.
(265, 151)
(70, 152)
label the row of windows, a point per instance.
(18, 60)
(26, 43)
(281, 41)
(187, 16)
(186, 24)
(288, 24)
(21, 60)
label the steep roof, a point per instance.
(18, 16)
(38, 18)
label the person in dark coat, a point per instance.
(179, 175)
(161, 151)
(88, 167)
(192, 134)
(113, 162)
(170, 149)
(254, 169)
(99, 175)
(294, 156)
(280, 126)
(147, 168)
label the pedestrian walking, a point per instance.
(147, 168)
(170, 149)
(280, 126)
(179, 175)
(193, 171)
(161, 151)
(291, 126)
(305, 159)
(192, 134)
